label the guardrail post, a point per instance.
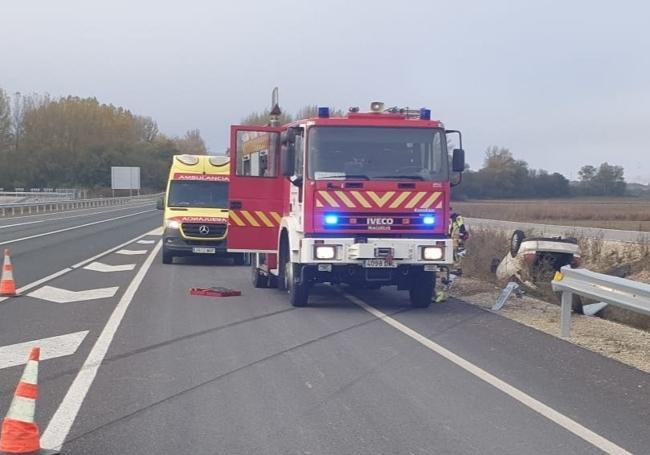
(565, 318)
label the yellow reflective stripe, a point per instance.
(362, 200)
(346, 200)
(252, 221)
(236, 219)
(276, 216)
(439, 204)
(22, 409)
(264, 218)
(380, 201)
(415, 200)
(319, 204)
(397, 202)
(329, 199)
(426, 204)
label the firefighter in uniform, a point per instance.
(459, 234)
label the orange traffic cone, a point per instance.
(19, 431)
(7, 283)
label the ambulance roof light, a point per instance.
(323, 112)
(190, 160)
(219, 160)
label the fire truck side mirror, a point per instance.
(458, 160)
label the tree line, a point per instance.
(72, 142)
(503, 176)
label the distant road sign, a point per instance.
(125, 178)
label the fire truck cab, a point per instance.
(361, 199)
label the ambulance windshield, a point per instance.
(377, 153)
(195, 193)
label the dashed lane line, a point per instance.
(62, 420)
(71, 228)
(546, 411)
(5, 226)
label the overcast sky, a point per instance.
(561, 83)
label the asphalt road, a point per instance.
(551, 230)
(161, 371)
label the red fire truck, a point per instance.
(361, 199)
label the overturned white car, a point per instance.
(532, 261)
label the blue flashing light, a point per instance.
(323, 112)
(429, 220)
(425, 114)
(331, 220)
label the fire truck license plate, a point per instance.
(379, 263)
(201, 250)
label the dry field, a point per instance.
(623, 213)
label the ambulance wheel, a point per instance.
(422, 289)
(167, 257)
(259, 280)
(298, 292)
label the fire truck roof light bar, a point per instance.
(323, 112)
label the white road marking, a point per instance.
(33, 284)
(567, 423)
(157, 231)
(58, 295)
(131, 252)
(51, 348)
(146, 242)
(115, 248)
(106, 268)
(7, 242)
(62, 420)
(5, 226)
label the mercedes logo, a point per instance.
(204, 230)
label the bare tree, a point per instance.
(192, 143)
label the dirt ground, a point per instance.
(611, 339)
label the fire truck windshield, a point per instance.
(377, 153)
(195, 193)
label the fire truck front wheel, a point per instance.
(297, 286)
(421, 291)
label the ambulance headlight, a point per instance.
(432, 253)
(325, 252)
(172, 224)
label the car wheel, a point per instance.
(515, 242)
(167, 257)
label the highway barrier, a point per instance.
(72, 204)
(627, 294)
(20, 434)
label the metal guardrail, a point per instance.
(628, 294)
(60, 206)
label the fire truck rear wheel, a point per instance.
(259, 280)
(421, 291)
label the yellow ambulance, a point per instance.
(196, 208)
